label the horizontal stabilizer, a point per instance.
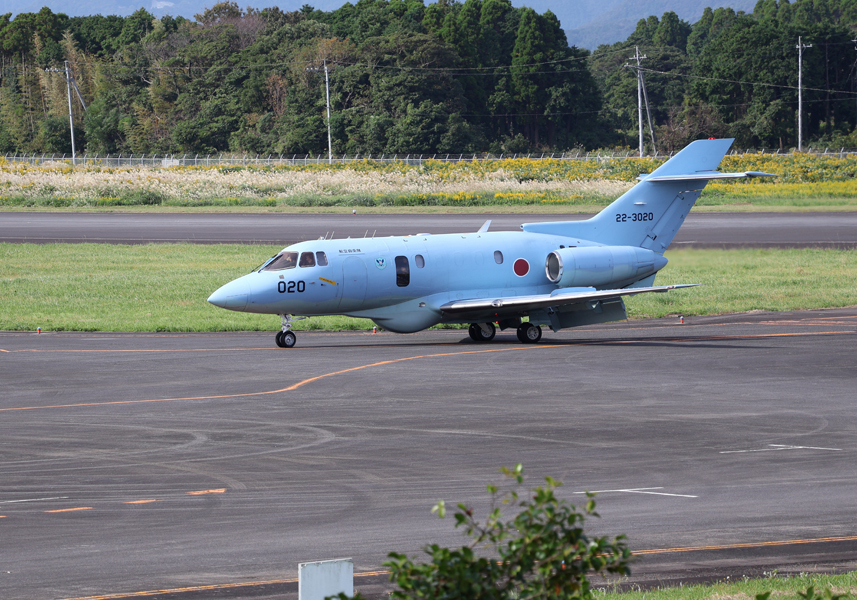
(705, 176)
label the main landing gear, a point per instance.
(529, 333)
(286, 338)
(484, 332)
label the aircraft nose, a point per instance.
(232, 296)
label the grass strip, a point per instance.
(164, 287)
(781, 588)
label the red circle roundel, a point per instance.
(522, 267)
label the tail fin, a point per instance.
(650, 214)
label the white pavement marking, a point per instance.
(640, 491)
(33, 500)
(777, 447)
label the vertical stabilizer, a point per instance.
(650, 214)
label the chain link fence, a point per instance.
(188, 160)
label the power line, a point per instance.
(759, 83)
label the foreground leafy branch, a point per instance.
(541, 552)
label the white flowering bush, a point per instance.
(61, 184)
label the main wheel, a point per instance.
(477, 334)
(529, 333)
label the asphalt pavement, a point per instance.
(701, 230)
(210, 465)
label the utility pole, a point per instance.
(800, 46)
(639, 95)
(855, 77)
(327, 98)
(641, 92)
(70, 115)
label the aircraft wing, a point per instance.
(561, 297)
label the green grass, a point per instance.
(782, 588)
(163, 287)
(751, 279)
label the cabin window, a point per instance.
(284, 260)
(307, 259)
(321, 259)
(403, 271)
(498, 257)
(421, 262)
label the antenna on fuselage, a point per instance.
(373, 234)
(366, 234)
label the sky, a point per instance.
(586, 22)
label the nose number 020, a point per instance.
(290, 287)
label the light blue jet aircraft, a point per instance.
(557, 274)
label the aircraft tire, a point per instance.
(279, 339)
(529, 333)
(289, 339)
(477, 335)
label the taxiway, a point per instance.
(209, 465)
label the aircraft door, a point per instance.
(354, 278)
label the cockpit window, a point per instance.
(307, 259)
(321, 259)
(284, 260)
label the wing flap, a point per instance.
(516, 304)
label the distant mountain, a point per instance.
(587, 23)
(617, 19)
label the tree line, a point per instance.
(409, 77)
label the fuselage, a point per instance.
(405, 280)
(559, 274)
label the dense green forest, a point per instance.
(409, 77)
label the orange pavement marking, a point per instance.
(141, 501)
(69, 509)
(407, 358)
(372, 573)
(202, 492)
(750, 545)
(279, 391)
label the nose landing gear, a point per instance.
(287, 338)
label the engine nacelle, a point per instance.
(595, 266)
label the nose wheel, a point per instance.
(529, 333)
(287, 338)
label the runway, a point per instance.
(209, 465)
(701, 230)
